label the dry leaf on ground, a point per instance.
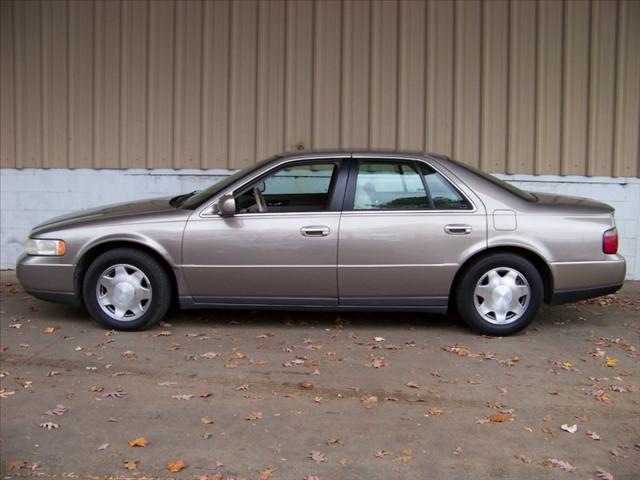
(522, 457)
(603, 475)
(317, 457)
(254, 416)
(561, 464)
(498, 418)
(138, 442)
(49, 425)
(131, 464)
(176, 466)
(117, 393)
(369, 401)
(266, 474)
(570, 429)
(404, 456)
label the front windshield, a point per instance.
(198, 197)
(524, 195)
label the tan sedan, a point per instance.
(333, 231)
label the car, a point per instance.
(332, 231)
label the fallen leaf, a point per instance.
(317, 457)
(570, 429)
(404, 456)
(458, 451)
(413, 385)
(206, 421)
(335, 441)
(603, 475)
(498, 418)
(49, 425)
(210, 355)
(57, 410)
(522, 457)
(138, 442)
(104, 446)
(253, 416)
(305, 385)
(6, 393)
(379, 339)
(379, 362)
(344, 461)
(204, 394)
(176, 466)
(381, 454)
(369, 401)
(49, 330)
(131, 464)
(434, 412)
(266, 474)
(183, 396)
(612, 361)
(593, 435)
(554, 462)
(15, 464)
(163, 333)
(118, 393)
(244, 386)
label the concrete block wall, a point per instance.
(31, 196)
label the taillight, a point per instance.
(610, 241)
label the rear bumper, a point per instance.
(575, 281)
(568, 296)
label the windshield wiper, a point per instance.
(179, 200)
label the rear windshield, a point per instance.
(524, 195)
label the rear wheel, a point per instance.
(500, 294)
(125, 289)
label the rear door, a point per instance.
(404, 232)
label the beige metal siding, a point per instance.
(531, 86)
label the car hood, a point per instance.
(127, 211)
(568, 204)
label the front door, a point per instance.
(403, 235)
(280, 248)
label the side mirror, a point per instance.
(226, 206)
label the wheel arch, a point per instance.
(538, 262)
(96, 250)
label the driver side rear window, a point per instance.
(404, 185)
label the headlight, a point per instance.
(52, 248)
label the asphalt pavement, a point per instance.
(287, 395)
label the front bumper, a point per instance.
(47, 278)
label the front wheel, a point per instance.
(125, 289)
(499, 294)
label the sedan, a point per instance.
(332, 231)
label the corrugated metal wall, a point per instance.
(548, 87)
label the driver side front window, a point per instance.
(293, 188)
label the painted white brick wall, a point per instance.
(31, 196)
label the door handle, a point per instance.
(315, 231)
(458, 229)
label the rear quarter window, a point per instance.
(444, 195)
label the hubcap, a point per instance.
(123, 292)
(502, 296)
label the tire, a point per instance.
(126, 289)
(499, 294)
